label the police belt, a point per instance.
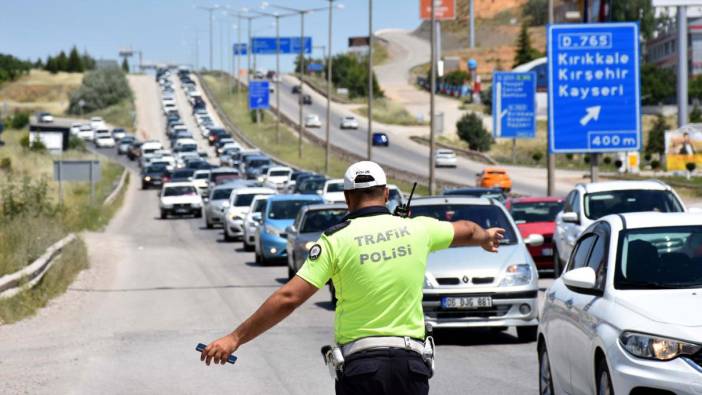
(376, 342)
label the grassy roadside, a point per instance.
(119, 115)
(69, 263)
(40, 90)
(263, 136)
(388, 112)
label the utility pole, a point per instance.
(431, 98)
(472, 23)
(550, 157)
(210, 10)
(682, 66)
(329, 82)
(370, 78)
(238, 54)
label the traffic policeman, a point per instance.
(376, 262)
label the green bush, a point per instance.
(6, 164)
(11, 68)
(607, 160)
(34, 146)
(19, 120)
(536, 11)
(569, 156)
(655, 165)
(537, 156)
(486, 99)
(656, 137)
(696, 114)
(471, 130)
(76, 143)
(100, 89)
(351, 72)
(657, 84)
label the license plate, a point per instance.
(466, 302)
(182, 210)
(547, 252)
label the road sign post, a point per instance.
(594, 88)
(514, 106)
(258, 96)
(288, 45)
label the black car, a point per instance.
(216, 134)
(306, 99)
(152, 176)
(296, 89)
(199, 164)
(134, 150)
(182, 175)
(310, 185)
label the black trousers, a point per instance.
(382, 372)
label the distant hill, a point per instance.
(496, 29)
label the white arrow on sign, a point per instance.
(592, 113)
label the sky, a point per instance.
(167, 30)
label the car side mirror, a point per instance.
(290, 229)
(534, 240)
(571, 217)
(256, 217)
(582, 279)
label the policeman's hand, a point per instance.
(219, 350)
(492, 241)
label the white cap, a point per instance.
(364, 174)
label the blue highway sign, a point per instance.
(513, 104)
(315, 67)
(594, 87)
(239, 48)
(288, 45)
(258, 95)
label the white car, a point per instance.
(312, 121)
(104, 139)
(445, 158)
(45, 117)
(349, 123)
(333, 191)
(86, 133)
(625, 317)
(185, 145)
(200, 178)
(97, 123)
(239, 204)
(589, 202)
(252, 221)
(75, 128)
(277, 177)
(180, 198)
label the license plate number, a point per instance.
(547, 252)
(466, 302)
(182, 210)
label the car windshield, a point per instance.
(180, 191)
(202, 176)
(487, 216)
(335, 187)
(524, 213)
(188, 148)
(286, 209)
(660, 258)
(183, 174)
(221, 194)
(599, 204)
(259, 206)
(319, 220)
(219, 178)
(310, 185)
(279, 173)
(244, 199)
(259, 163)
(156, 168)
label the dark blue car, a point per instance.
(380, 139)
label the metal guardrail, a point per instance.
(391, 171)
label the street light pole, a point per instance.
(329, 82)
(431, 98)
(682, 66)
(550, 158)
(210, 10)
(238, 54)
(370, 79)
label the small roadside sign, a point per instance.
(239, 48)
(444, 10)
(594, 87)
(513, 105)
(315, 67)
(258, 95)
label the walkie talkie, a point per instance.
(403, 210)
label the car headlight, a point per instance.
(271, 230)
(654, 347)
(515, 275)
(197, 204)
(147, 178)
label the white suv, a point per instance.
(589, 202)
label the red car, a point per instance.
(537, 215)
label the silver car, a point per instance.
(470, 287)
(306, 230)
(624, 318)
(217, 203)
(252, 221)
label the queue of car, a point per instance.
(626, 256)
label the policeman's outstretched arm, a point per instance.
(467, 233)
(278, 306)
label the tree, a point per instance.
(125, 65)
(525, 52)
(51, 65)
(694, 88)
(62, 61)
(696, 114)
(39, 64)
(656, 137)
(635, 10)
(471, 130)
(75, 63)
(536, 11)
(657, 84)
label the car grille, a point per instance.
(510, 295)
(181, 206)
(495, 311)
(457, 281)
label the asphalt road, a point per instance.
(155, 288)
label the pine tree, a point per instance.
(75, 63)
(39, 64)
(50, 65)
(62, 61)
(125, 65)
(525, 53)
(656, 137)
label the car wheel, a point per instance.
(144, 186)
(526, 333)
(604, 381)
(164, 214)
(248, 247)
(208, 224)
(226, 234)
(545, 378)
(259, 258)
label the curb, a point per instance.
(117, 189)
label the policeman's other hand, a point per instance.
(492, 242)
(219, 350)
